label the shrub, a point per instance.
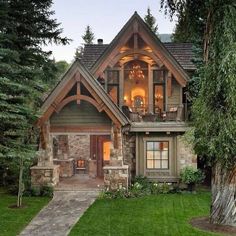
(46, 191)
(141, 186)
(190, 175)
(37, 191)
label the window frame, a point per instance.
(153, 159)
(105, 83)
(161, 83)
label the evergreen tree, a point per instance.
(214, 109)
(88, 36)
(79, 52)
(25, 70)
(150, 20)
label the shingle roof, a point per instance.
(182, 52)
(91, 53)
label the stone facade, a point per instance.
(79, 146)
(116, 177)
(48, 175)
(129, 143)
(185, 154)
(67, 167)
(71, 146)
(60, 147)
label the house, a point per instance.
(118, 112)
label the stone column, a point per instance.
(45, 173)
(116, 175)
(45, 153)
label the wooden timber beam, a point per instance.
(76, 98)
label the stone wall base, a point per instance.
(116, 177)
(67, 167)
(45, 175)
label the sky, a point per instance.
(106, 18)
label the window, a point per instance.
(159, 90)
(111, 84)
(157, 154)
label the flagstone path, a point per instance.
(59, 216)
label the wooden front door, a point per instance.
(100, 151)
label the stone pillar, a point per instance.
(45, 173)
(116, 175)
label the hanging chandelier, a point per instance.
(136, 73)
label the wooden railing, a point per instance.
(174, 112)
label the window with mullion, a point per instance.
(159, 87)
(157, 154)
(113, 85)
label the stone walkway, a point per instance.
(59, 216)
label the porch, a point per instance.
(80, 182)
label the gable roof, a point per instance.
(68, 80)
(136, 25)
(182, 52)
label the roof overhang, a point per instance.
(136, 25)
(78, 72)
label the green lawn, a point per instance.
(165, 214)
(13, 221)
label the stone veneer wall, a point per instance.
(79, 146)
(60, 147)
(71, 146)
(48, 175)
(116, 177)
(185, 154)
(129, 142)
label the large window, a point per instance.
(157, 154)
(111, 84)
(136, 85)
(159, 90)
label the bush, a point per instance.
(46, 191)
(43, 191)
(190, 175)
(141, 186)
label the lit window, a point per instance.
(157, 155)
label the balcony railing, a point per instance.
(174, 112)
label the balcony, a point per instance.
(173, 113)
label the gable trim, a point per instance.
(56, 100)
(132, 27)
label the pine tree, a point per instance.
(88, 36)
(25, 70)
(150, 20)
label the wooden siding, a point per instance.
(175, 98)
(83, 114)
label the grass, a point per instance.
(13, 220)
(165, 214)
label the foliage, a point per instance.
(141, 186)
(79, 52)
(43, 191)
(88, 36)
(25, 70)
(190, 175)
(12, 220)
(150, 20)
(215, 110)
(163, 214)
(214, 107)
